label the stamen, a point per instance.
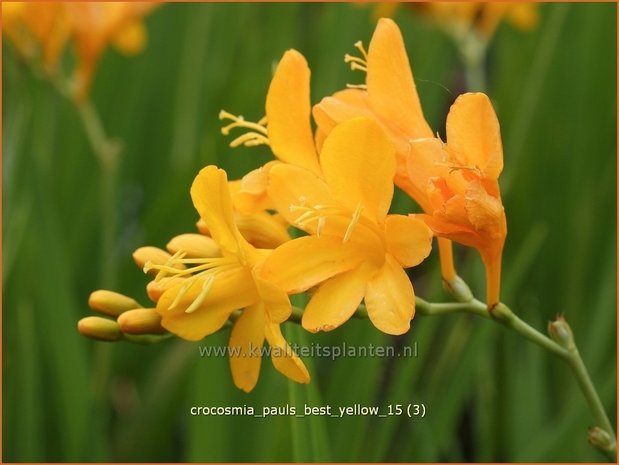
(358, 63)
(357, 86)
(206, 287)
(355, 219)
(250, 139)
(210, 275)
(359, 46)
(169, 263)
(257, 136)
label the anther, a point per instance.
(258, 131)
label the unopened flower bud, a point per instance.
(601, 439)
(153, 256)
(99, 328)
(155, 289)
(195, 246)
(141, 321)
(111, 303)
(561, 333)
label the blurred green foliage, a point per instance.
(490, 395)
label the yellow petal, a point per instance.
(284, 359)
(262, 230)
(358, 162)
(423, 163)
(391, 88)
(276, 303)
(231, 290)
(390, 299)
(409, 240)
(288, 113)
(485, 212)
(211, 197)
(336, 300)
(250, 193)
(473, 134)
(304, 262)
(246, 340)
(342, 106)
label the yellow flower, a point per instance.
(461, 183)
(286, 129)
(46, 28)
(390, 97)
(483, 17)
(35, 27)
(211, 289)
(356, 250)
(95, 25)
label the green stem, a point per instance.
(593, 399)
(503, 315)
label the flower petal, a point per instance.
(283, 357)
(336, 300)
(390, 299)
(474, 135)
(276, 303)
(263, 230)
(304, 262)
(391, 88)
(341, 106)
(246, 340)
(288, 113)
(485, 212)
(423, 162)
(409, 240)
(231, 290)
(249, 194)
(358, 162)
(211, 197)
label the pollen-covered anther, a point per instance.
(257, 135)
(358, 63)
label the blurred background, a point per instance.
(490, 395)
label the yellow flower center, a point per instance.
(203, 268)
(257, 135)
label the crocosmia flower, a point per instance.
(390, 98)
(210, 290)
(356, 251)
(461, 183)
